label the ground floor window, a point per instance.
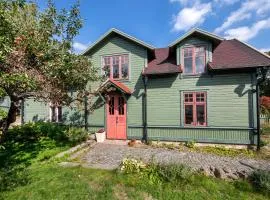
(55, 113)
(195, 108)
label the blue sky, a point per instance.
(160, 22)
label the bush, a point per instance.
(132, 166)
(174, 172)
(190, 144)
(261, 180)
(13, 177)
(76, 135)
(35, 131)
(157, 173)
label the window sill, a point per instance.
(193, 75)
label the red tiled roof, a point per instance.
(117, 84)
(233, 54)
(162, 63)
(121, 86)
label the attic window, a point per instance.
(194, 60)
(116, 67)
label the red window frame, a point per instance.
(122, 59)
(193, 58)
(190, 98)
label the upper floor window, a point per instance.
(195, 108)
(116, 66)
(194, 60)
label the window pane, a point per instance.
(188, 97)
(53, 114)
(116, 67)
(111, 106)
(59, 116)
(121, 107)
(200, 66)
(200, 97)
(124, 71)
(115, 71)
(188, 65)
(188, 114)
(200, 59)
(200, 114)
(106, 66)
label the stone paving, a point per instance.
(109, 156)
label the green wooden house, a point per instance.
(200, 88)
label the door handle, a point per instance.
(117, 120)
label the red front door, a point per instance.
(116, 117)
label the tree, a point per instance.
(36, 59)
(265, 86)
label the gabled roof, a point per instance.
(234, 54)
(121, 86)
(118, 32)
(197, 31)
(163, 63)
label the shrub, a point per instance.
(132, 166)
(261, 180)
(76, 135)
(190, 144)
(157, 173)
(13, 177)
(174, 172)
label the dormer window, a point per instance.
(116, 67)
(194, 60)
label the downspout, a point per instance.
(258, 115)
(145, 134)
(85, 113)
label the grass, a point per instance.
(52, 182)
(29, 171)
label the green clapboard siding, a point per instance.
(35, 111)
(228, 99)
(4, 103)
(137, 60)
(229, 136)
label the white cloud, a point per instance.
(260, 7)
(184, 2)
(189, 17)
(265, 50)
(246, 33)
(226, 2)
(79, 46)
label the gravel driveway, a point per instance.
(109, 156)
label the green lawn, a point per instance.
(48, 181)
(28, 171)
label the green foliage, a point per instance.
(261, 180)
(30, 144)
(222, 151)
(156, 173)
(174, 172)
(132, 166)
(54, 182)
(76, 135)
(37, 58)
(266, 130)
(3, 113)
(190, 144)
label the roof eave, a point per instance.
(114, 30)
(193, 31)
